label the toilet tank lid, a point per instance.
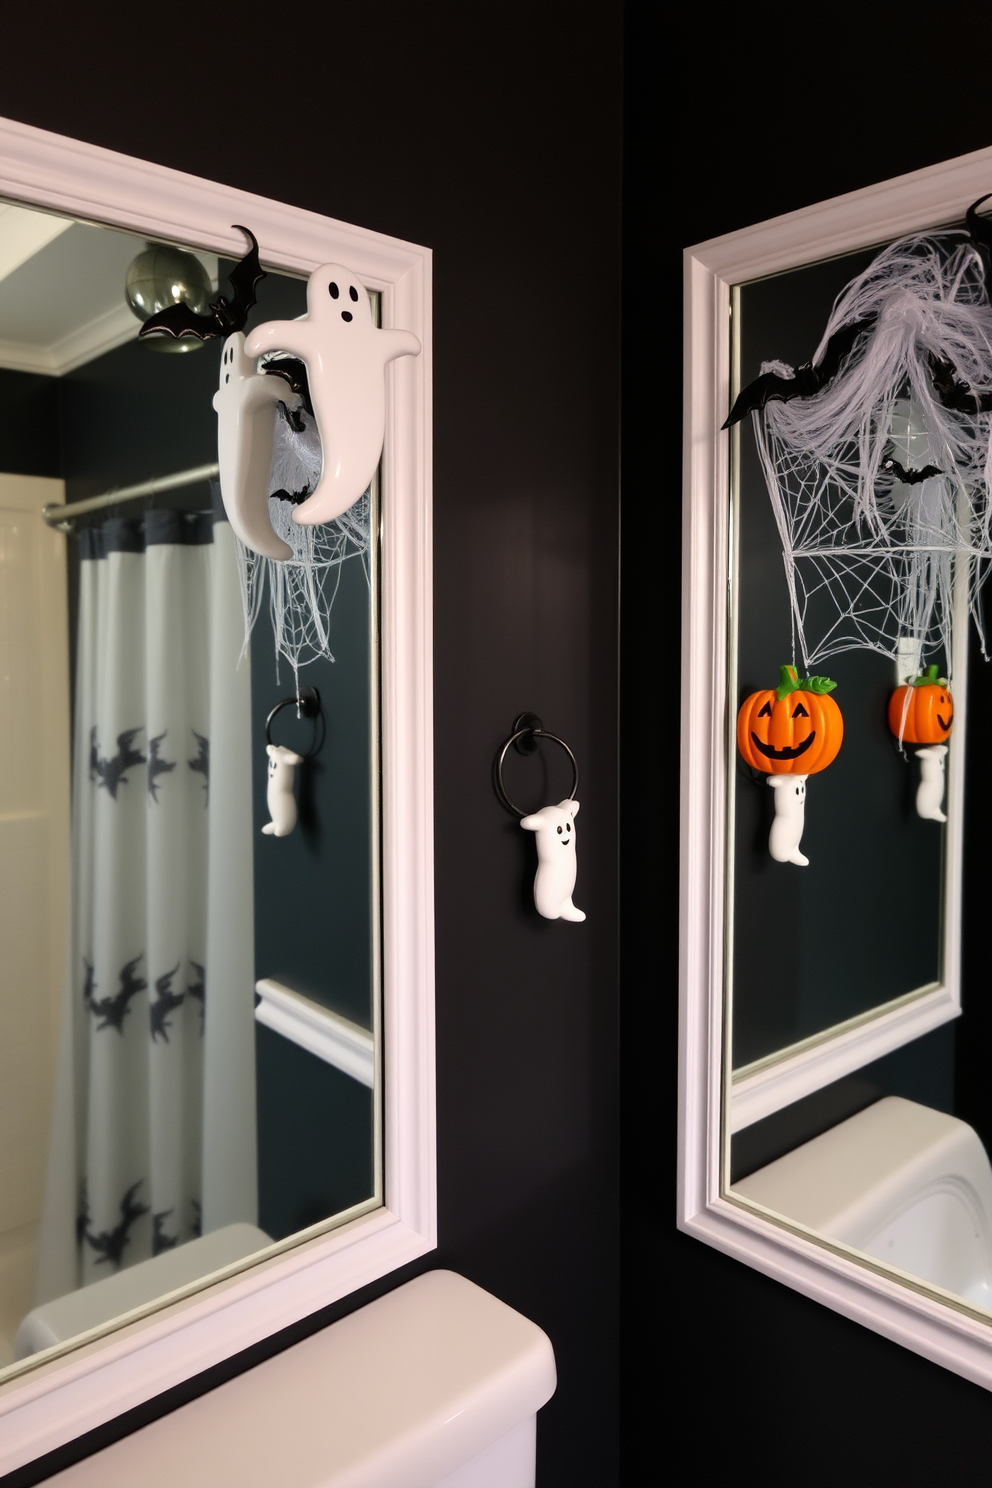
(849, 1179)
(398, 1394)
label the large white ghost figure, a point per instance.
(345, 356)
(279, 797)
(246, 412)
(930, 792)
(790, 818)
(555, 880)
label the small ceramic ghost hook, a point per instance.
(790, 814)
(930, 792)
(555, 880)
(246, 411)
(279, 797)
(346, 357)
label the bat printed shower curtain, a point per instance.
(153, 1138)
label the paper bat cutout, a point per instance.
(910, 477)
(808, 380)
(225, 316)
(293, 371)
(953, 394)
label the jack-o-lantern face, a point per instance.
(922, 712)
(792, 729)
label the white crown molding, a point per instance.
(920, 1317)
(327, 1035)
(49, 1403)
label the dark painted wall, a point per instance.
(784, 109)
(494, 136)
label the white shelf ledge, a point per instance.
(332, 1038)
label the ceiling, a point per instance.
(62, 290)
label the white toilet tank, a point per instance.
(905, 1184)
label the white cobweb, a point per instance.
(301, 590)
(872, 561)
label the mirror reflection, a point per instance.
(860, 515)
(189, 1002)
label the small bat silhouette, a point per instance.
(910, 477)
(202, 762)
(198, 991)
(160, 1240)
(111, 772)
(770, 387)
(109, 1244)
(113, 1010)
(293, 371)
(156, 765)
(955, 395)
(225, 317)
(166, 1001)
(296, 497)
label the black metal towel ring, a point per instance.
(527, 729)
(307, 705)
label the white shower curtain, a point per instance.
(153, 1139)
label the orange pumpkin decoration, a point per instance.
(792, 729)
(922, 712)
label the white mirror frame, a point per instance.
(58, 1400)
(923, 1318)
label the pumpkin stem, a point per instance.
(929, 678)
(791, 683)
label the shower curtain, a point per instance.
(153, 1138)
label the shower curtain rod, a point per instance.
(61, 516)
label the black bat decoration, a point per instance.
(166, 1002)
(109, 1244)
(955, 395)
(156, 765)
(113, 1010)
(910, 477)
(808, 380)
(226, 316)
(111, 772)
(293, 371)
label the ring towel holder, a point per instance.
(553, 826)
(280, 796)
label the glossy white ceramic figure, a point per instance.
(930, 792)
(555, 880)
(246, 403)
(280, 798)
(345, 356)
(790, 818)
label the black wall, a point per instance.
(494, 136)
(776, 110)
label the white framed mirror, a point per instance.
(820, 1138)
(327, 1020)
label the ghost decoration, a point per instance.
(279, 797)
(346, 357)
(245, 403)
(930, 791)
(555, 880)
(790, 818)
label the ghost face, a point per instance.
(335, 297)
(565, 836)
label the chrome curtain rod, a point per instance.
(61, 516)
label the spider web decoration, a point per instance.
(302, 589)
(872, 559)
